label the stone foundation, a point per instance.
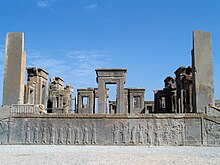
(100, 129)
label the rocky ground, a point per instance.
(10, 154)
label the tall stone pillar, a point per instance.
(102, 97)
(120, 96)
(14, 69)
(190, 99)
(203, 85)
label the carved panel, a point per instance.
(4, 132)
(152, 131)
(212, 129)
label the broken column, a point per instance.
(14, 69)
(202, 68)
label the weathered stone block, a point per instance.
(202, 71)
(14, 71)
(93, 129)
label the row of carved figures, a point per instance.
(59, 135)
(172, 132)
(123, 133)
(150, 134)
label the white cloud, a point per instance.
(77, 68)
(85, 64)
(42, 4)
(55, 67)
(91, 6)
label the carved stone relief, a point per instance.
(36, 134)
(60, 135)
(3, 127)
(52, 134)
(213, 133)
(44, 134)
(77, 135)
(115, 132)
(150, 133)
(68, 134)
(85, 135)
(139, 134)
(4, 132)
(155, 131)
(27, 133)
(93, 134)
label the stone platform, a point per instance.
(107, 129)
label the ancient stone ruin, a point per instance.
(184, 112)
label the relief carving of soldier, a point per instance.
(44, 134)
(52, 134)
(115, 132)
(28, 133)
(93, 134)
(68, 134)
(36, 134)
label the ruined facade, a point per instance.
(165, 100)
(177, 95)
(86, 100)
(184, 95)
(59, 97)
(181, 113)
(36, 88)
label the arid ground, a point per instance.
(18, 154)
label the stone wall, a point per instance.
(93, 129)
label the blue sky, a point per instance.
(71, 38)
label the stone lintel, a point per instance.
(111, 73)
(85, 89)
(149, 102)
(136, 90)
(36, 71)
